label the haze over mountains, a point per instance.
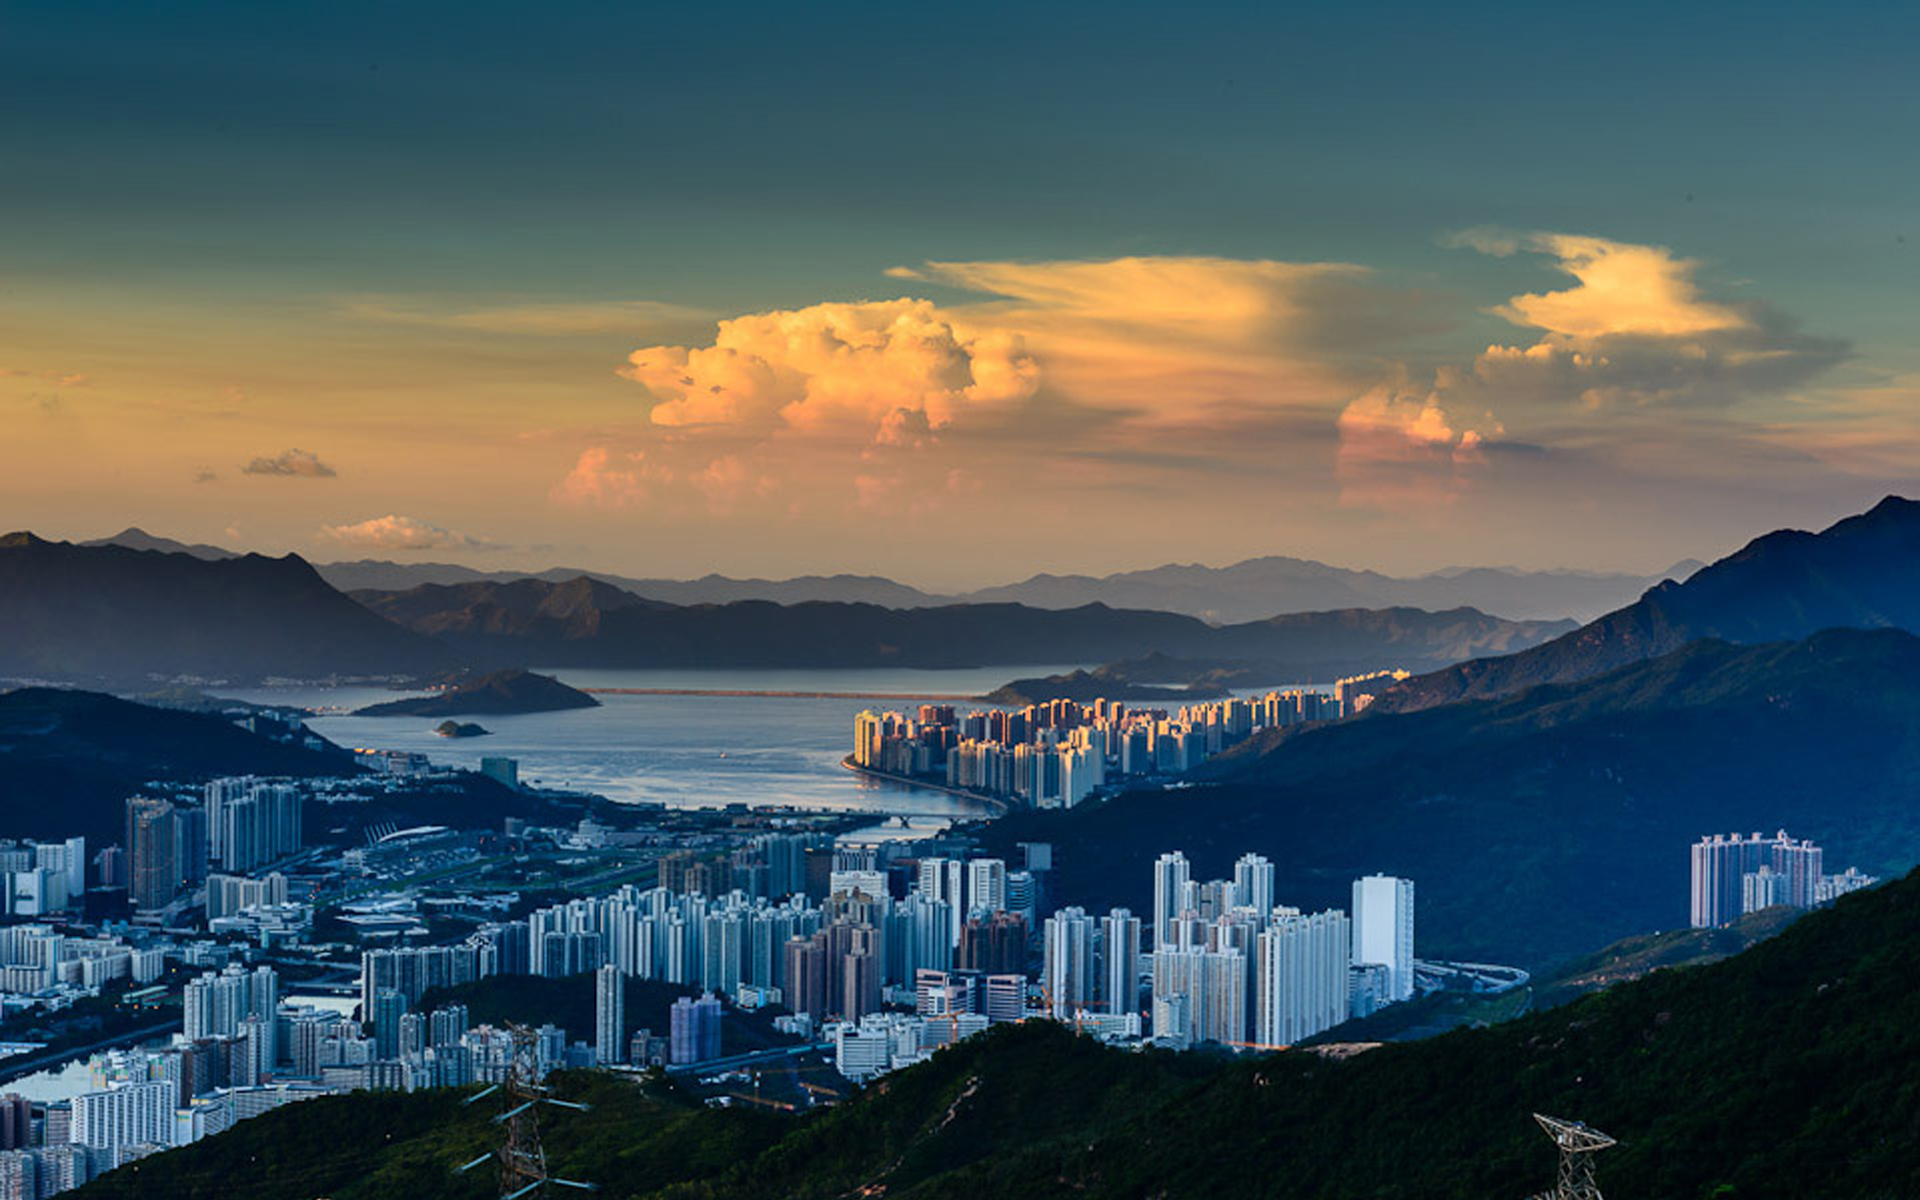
(1861, 572)
(584, 622)
(1245, 591)
(114, 614)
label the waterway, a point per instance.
(689, 739)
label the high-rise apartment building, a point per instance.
(1068, 974)
(1120, 962)
(1171, 875)
(609, 1015)
(1301, 968)
(153, 853)
(1383, 929)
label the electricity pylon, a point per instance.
(521, 1160)
(1578, 1143)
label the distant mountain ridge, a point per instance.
(585, 623)
(109, 614)
(1862, 572)
(1244, 591)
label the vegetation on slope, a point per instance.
(1786, 1070)
(1541, 826)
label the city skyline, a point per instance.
(801, 296)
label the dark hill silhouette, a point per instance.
(108, 614)
(1862, 572)
(69, 759)
(497, 694)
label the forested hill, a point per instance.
(1784, 1071)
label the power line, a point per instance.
(521, 1161)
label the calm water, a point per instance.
(684, 751)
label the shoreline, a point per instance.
(1001, 807)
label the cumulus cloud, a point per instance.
(1622, 289)
(1636, 331)
(602, 478)
(834, 368)
(1399, 447)
(395, 532)
(290, 463)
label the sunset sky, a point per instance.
(957, 293)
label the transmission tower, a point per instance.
(522, 1163)
(1578, 1144)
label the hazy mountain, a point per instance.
(1245, 591)
(135, 538)
(1862, 572)
(1783, 1071)
(375, 575)
(532, 611)
(1260, 587)
(1549, 823)
(501, 692)
(589, 623)
(107, 613)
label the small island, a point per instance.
(502, 693)
(460, 729)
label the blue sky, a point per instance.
(337, 227)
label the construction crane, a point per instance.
(1578, 1143)
(521, 1161)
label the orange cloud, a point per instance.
(1399, 449)
(1623, 289)
(395, 532)
(599, 479)
(835, 368)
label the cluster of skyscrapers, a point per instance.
(1224, 963)
(1054, 755)
(1735, 874)
(241, 824)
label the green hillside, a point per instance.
(1547, 824)
(1787, 1070)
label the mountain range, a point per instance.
(113, 615)
(1244, 591)
(123, 617)
(1861, 572)
(587, 622)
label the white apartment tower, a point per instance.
(1383, 929)
(1171, 874)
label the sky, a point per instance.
(956, 295)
